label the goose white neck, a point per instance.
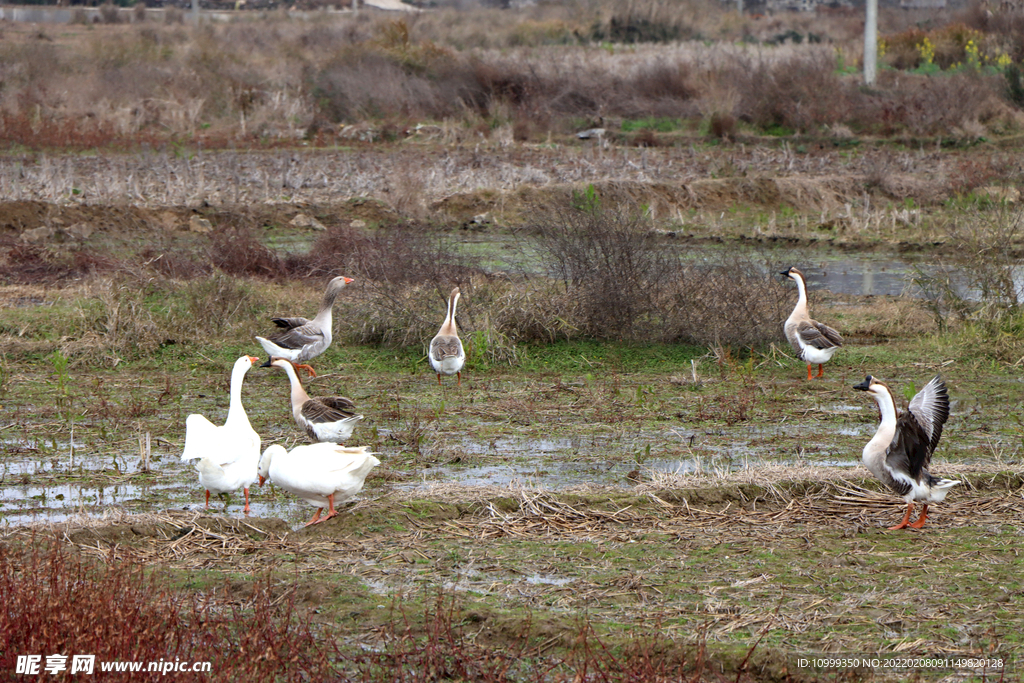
(298, 393)
(235, 409)
(801, 289)
(886, 406)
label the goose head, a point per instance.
(264, 469)
(246, 362)
(338, 283)
(792, 273)
(880, 392)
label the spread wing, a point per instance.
(328, 409)
(930, 410)
(444, 347)
(818, 335)
(290, 323)
(909, 452)
(297, 337)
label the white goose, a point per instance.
(900, 451)
(322, 474)
(813, 342)
(446, 353)
(228, 454)
(300, 339)
(324, 418)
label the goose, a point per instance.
(813, 342)
(446, 353)
(300, 339)
(325, 418)
(322, 474)
(228, 454)
(900, 451)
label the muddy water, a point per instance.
(853, 274)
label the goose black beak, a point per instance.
(267, 363)
(865, 385)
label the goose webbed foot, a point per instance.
(920, 520)
(809, 375)
(316, 517)
(906, 519)
(310, 372)
(821, 370)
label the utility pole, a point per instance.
(870, 42)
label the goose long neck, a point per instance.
(449, 322)
(801, 288)
(236, 412)
(327, 305)
(886, 409)
(299, 395)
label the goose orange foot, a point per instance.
(906, 519)
(920, 520)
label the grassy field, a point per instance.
(633, 481)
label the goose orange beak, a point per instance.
(262, 479)
(254, 360)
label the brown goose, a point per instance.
(300, 339)
(446, 353)
(813, 342)
(325, 418)
(901, 450)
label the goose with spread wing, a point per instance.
(446, 353)
(901, 450)
(228, 454)
(299, 339)
(324, 418)
(322, 474)
(813, 342)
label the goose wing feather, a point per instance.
(290, 323)
(442, 347)
(930, 410)
(328, 409)
(298, 337)
(818, 335)
(908, 452)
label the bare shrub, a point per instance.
(802, 93)
(116, 325)
(216, 304)
(980, 282)
(236, 251)
(37, 264)
(611, 264)
(55, 602)
(732, 301)
(398, 255)
(926, 106)
(109, 13)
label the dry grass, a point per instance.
(236, 83)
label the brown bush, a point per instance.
(55, 604)
(926, 105)
(236, 251)
(610, 264)
(802, 93)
